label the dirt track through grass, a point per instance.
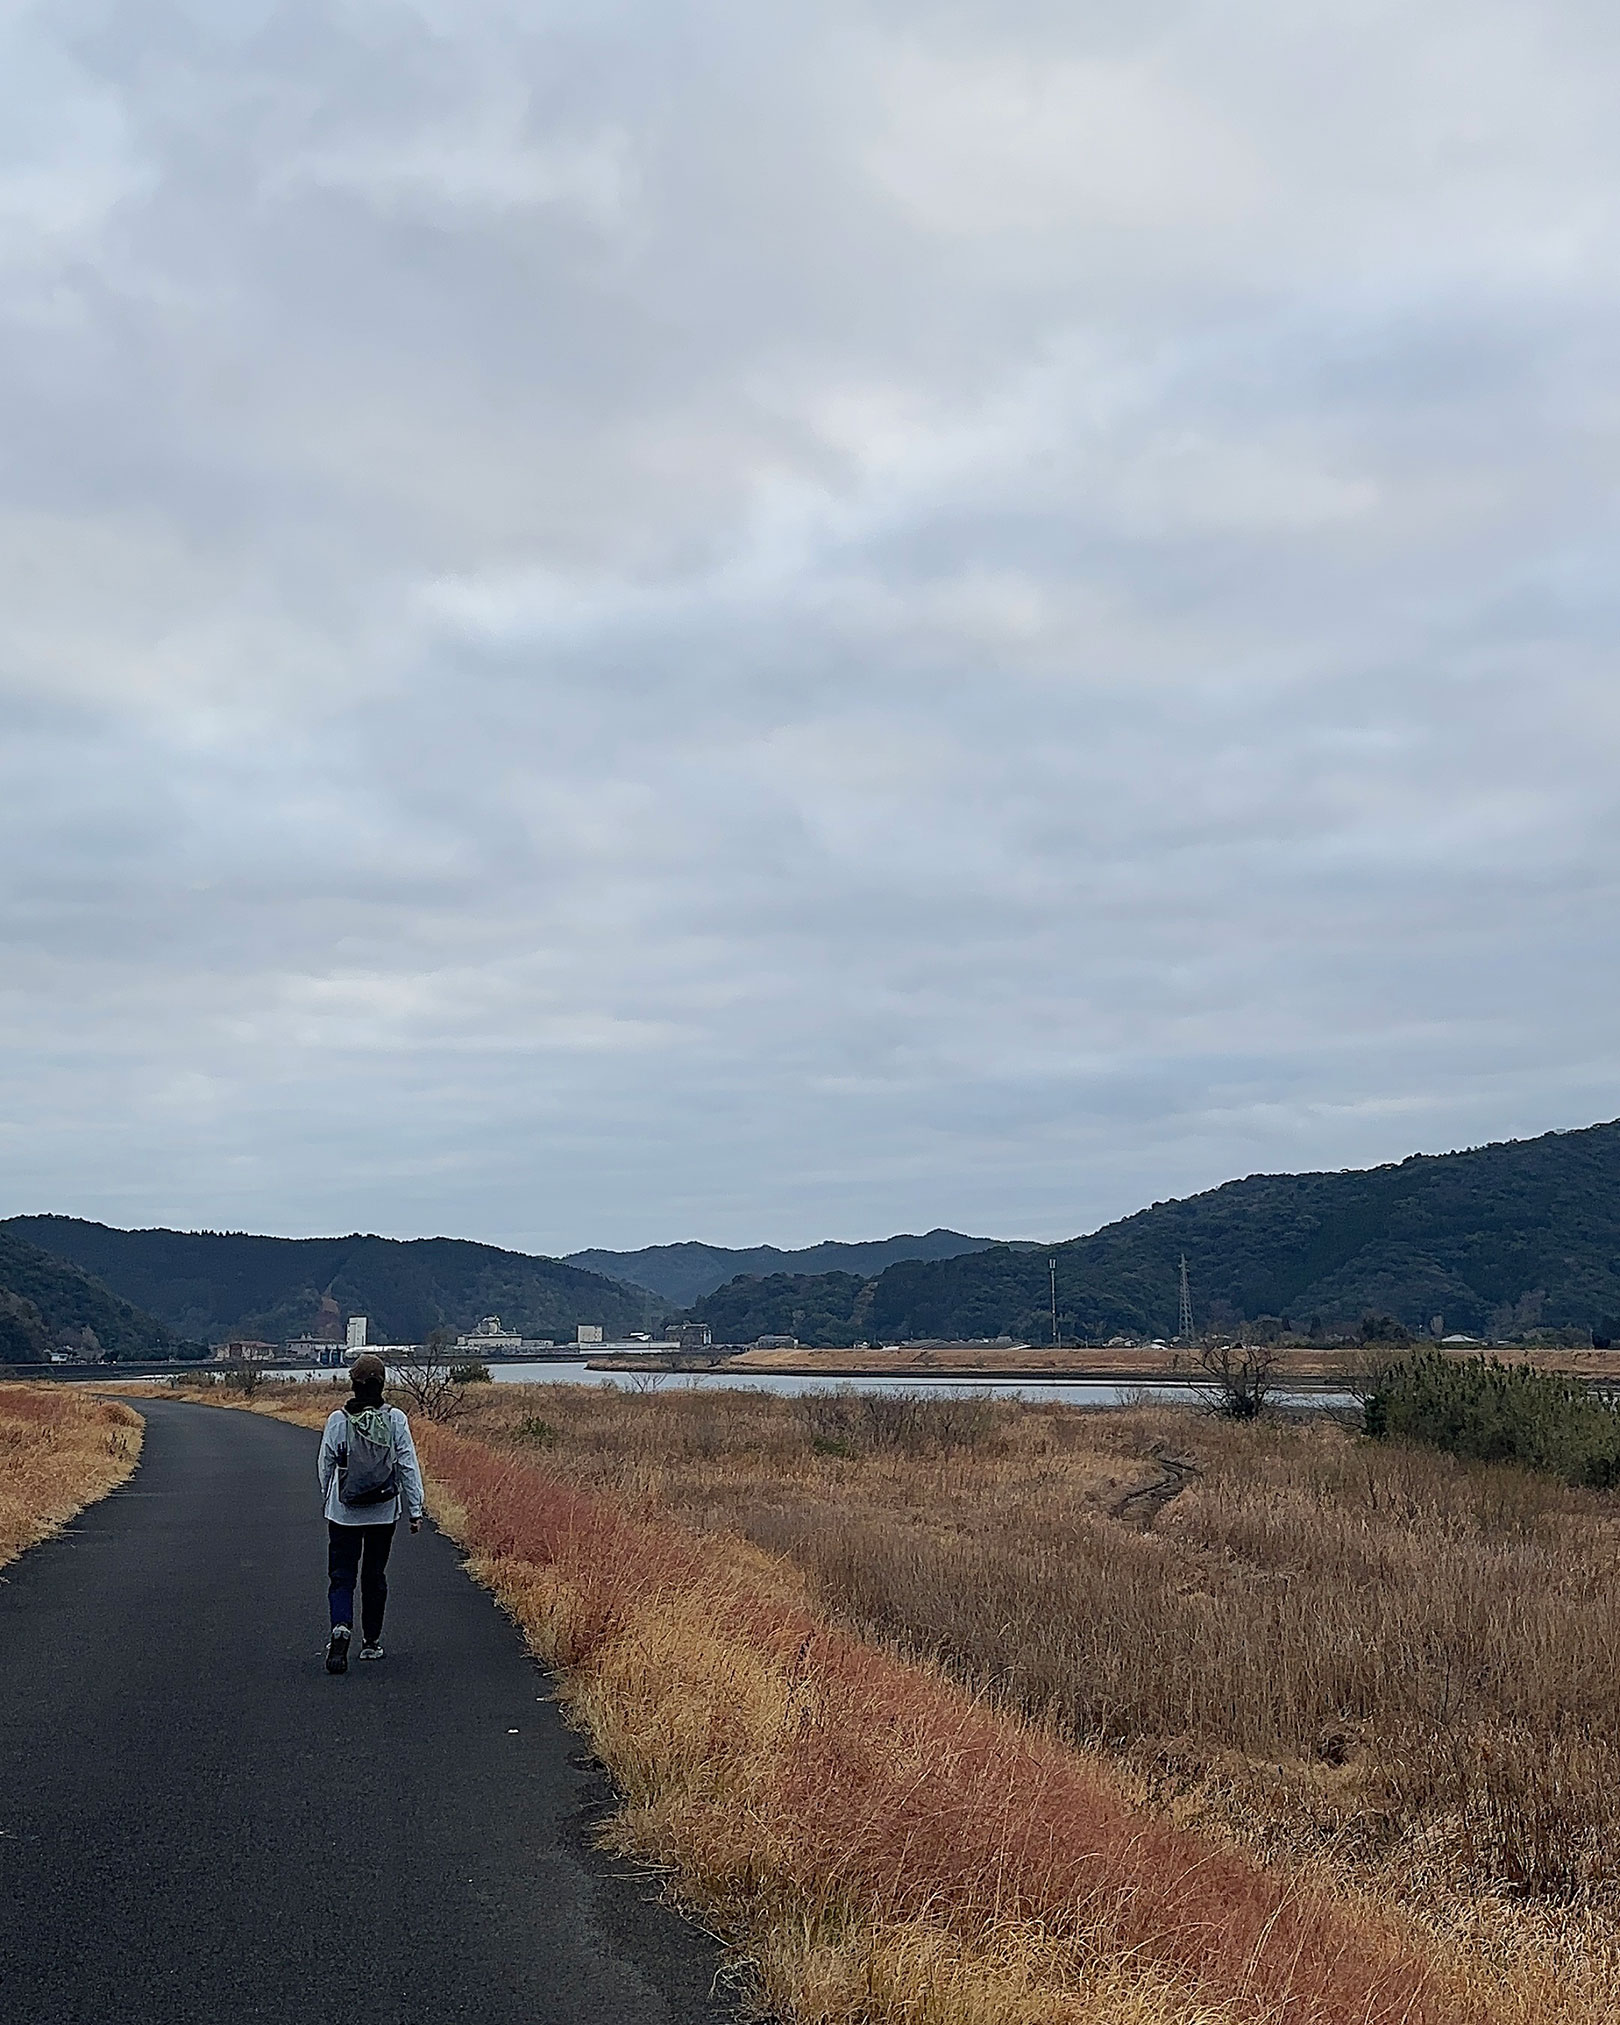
(1141, 1505)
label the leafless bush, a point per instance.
(1239, 1378)
(426, 1376)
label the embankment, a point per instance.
(60, 1450)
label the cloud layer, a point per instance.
(622, 623)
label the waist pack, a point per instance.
(367, 1470)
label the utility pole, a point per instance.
(1184, 1327)
(1051, 1267)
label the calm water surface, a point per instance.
(1089, 1392)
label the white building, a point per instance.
(490, 1336)
(356, 1337)
(590, 1332)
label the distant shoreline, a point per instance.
(953, 1364)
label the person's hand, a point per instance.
(416, 1525)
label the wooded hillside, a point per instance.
(1498, 1240)
(686, 1272)
(47, 1304)
(216, 1284)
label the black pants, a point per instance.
(363, 1550)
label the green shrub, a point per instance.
(540, 1433)
(1486, 1411)
(469, 1374)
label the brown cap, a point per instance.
(368, 1369)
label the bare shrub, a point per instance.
(427, 1378)
(1239, 1378)
(244, 1375)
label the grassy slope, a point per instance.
(60, 1450)
(1328, 1682)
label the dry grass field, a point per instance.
(60, 1450)
(971, 1714)
(1134, 1363)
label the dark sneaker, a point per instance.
(337, 1652)
(372, 1649)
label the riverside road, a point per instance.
(199, 1826)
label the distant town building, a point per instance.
(355, 1337)
(315, 1350)
(490, 1334)
(589, 1332)
(776, 1342)
(246, 1350)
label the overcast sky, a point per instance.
(630, 621)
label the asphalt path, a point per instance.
(199, 1825)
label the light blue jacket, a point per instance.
(408, 1469)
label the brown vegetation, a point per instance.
(958, 1711)
(1293, 1363)
(60, 1450)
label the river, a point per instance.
(1038, 1391)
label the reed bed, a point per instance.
(830, 1803)
(988, 1715)
(59, 1451)
(1412, 1657)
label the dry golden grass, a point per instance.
(60, 1450)
(936, 1737)
(885, 1845)
(1426, 1648)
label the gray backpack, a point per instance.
(367, 1472)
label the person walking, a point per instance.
(368, 1473)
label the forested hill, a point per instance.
(686, 1272)
(213, 1285)
(1500, 1239)
(47, 1304)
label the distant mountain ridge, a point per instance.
(684, 1273)
(47, 1304)
(1497, 1239)
(1494, 1240)
(214, 1285)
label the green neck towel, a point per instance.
(374, 1423)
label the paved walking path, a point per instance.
(198, 1826)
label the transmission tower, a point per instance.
(1184, 1325)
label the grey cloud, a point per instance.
(621, 625)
